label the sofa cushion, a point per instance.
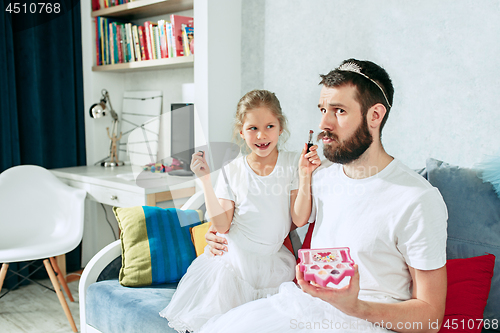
(112, 308)
(473, 219)
(156, 244)
(468, 288)
(198, 237)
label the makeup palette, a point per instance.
(326, 265)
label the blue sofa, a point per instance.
(473, 230)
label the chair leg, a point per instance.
(3, 273)
(60, 295)
(61, 279)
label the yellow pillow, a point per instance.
(198, 237)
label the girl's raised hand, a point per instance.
(199, 165)
(309, 161)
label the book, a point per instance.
(116, 59)
(188, 40)
(130, 42)
(163, 39)
(95, 5)
(185, 43)
(170, 47)
(177, 22)
(111, 43)
(102, 35)
(123, 33)
(157, 42)
(97, 42)
(142, 40)
(137, 45)
(152, 27)
(147, 36)
(106, 41)
(119, 42)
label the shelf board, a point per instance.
(158, 64)
(144, 8)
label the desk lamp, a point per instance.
(99, 110)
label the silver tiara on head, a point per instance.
(355, 68)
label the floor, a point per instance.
(35, 309)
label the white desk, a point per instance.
(104, 186)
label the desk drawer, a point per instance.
(115, 197)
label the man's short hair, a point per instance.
(368, 93)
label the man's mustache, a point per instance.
(329, 135)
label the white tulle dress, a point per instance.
(256, 262)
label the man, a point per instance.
(393, 221)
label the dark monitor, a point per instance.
(182, 136)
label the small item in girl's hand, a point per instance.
(310, 142)
(317, 264)
(202, 153)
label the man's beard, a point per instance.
(349, 149)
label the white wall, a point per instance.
(441, 55)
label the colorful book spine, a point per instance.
(185, 42)
(153, 40)
(143, 42)
(137, 45)
(116, 45)
(95, 5)
(102, 34)
(123, 32)
(130, 41)
(106, 40)
(163, 39)
(170, 41)
(189, 31)
(119, 43)
(147, 36)
(97, 43)
(157, 42)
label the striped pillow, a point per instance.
(156, 244)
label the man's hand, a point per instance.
(345, 299)
(216, 243)
(426, 305)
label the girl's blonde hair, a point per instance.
(255, 99)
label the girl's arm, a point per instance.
(219, 211)
(300, 199)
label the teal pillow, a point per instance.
(156, 244)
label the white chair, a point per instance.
(40, 218)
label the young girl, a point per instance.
(256, 198)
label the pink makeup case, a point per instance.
(326, 265)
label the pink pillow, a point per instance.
(469, 282)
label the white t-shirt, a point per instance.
(261, 203)
(389, 221)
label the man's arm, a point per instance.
(415, 315)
